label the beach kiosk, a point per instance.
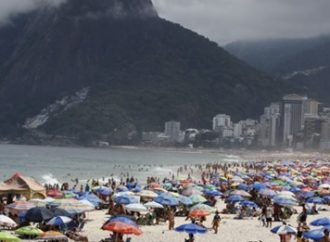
(22, 185)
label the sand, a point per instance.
(231, 230)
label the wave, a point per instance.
(49, 179)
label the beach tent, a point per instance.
(22, 185)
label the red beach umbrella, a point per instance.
(199, 213)
(122, 228)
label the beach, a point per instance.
(240, 190)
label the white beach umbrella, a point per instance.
(6, 221)
(153, 205)
(136, 207)
(147, 193)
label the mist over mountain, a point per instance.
(136, 71)
(304, 63)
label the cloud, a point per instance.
(229, 20)
(10, 8)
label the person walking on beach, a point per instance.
(171, 220)
(216, 222)
(302, 216)
(269, 216)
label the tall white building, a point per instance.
(292, 117)
(221, 121)
(173, 130)
(325, 134)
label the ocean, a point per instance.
(49, 164)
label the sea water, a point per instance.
(62, 164)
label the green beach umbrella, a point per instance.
(197, 199)
(203, 207)
(8, 237)
(29, 230)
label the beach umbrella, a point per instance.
(249, 204)
(122, 218)
(126, 200)
(147, 194)
(6, 221)
(136, 207)
(105, 191)
(284, 229)
(29, 230)
(166, 199)
(235, 198)
(122, 228)
(59, 220)
(197, 199)
(69, 194)
(119, 194)
(38, 214)
(199, 213)
(267, 192)
(241, 193)
(203, 207)
(237, 179)
(91, 198)
(153, 205)
(326, 198)
(324, 186)
(185, 200)
(317, 200)
(243, 186)
(286, 194)
(121, 188)
(321, 222)
(258, 186)
(191, 229)
(4, 236)
(52, 235)
(20, 206)
(213, 193)
(315, 234)
(59, 212)
(54, 193)
(285, 201)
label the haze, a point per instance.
(226, 20)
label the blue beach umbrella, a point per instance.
(213, 193)
(106, 191)
(235, 198)
(249, 204)
(59, 220)
(284, 229)
(317, 200)
(90, 197)
(126, 200)
(315, 234)
(267, 192)
(122, 219)
(166, 199)
(258, 186)
(285, 201)
(191, 229)
(321, 222)
(243, 186)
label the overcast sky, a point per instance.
(229, 20)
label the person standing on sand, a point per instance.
(269, 216)
(171, 220)
(216, 222)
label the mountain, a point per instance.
(304, 63)
(108, 69)
(270, 54)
